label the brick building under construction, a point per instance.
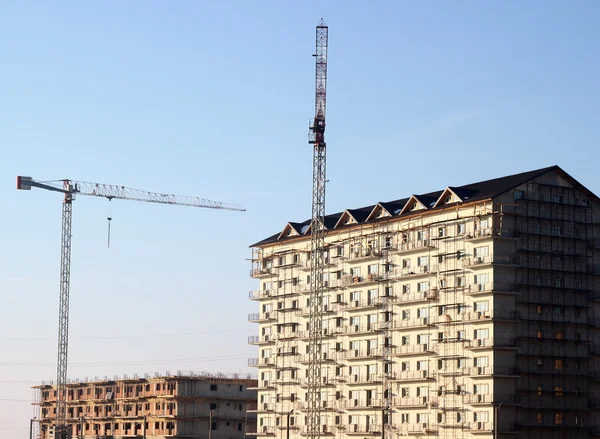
(173, 406)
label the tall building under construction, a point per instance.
(469, 312)
(173, 406)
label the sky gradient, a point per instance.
(213, 99)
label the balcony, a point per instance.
(418, 428)
(262, 317)
(497, 314)
(258, 340)
(260, 272)
(361, 404)
(359, 305)
(264, 361)
(365, 430)
(489, 343)
(487, 288)
(479, 427)
(259, 294)
(420, 271)
(367, 254)
(487, 398)
(364, 379)
(419, 296)
(416, 402)
(420, 349)
(507, 260)
(325, 357)
(365, 328)
(404, 324)
(263, 385)
(497, 371)
(325, 382)
(414, 375)
(265, 430)
(414, 246)
(324, 430)
(479, 234)
(362, 354)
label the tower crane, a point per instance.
(316, 137)
(70, 189)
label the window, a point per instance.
(405, 366)
(539, 418)
(461, 229)
(482, 279)
(558, 335)
(441, 232)
(388, 241)
(481, 252)
(213, 387)
(460, 281)
(405, 314)
(539, 391)
(518, 195)
(558, 391)
(422, 339)
(373, 269)
(482, 306)
(558, 418)
(355, 271)
(557, 198)
(404, 418)
(405, 392)
(422, 418)
(538, 334)
(481, 334)
(558, 364)
(213, 405)
(406, 289)
(405, 263)
(239, 427)
(558, 311)
(423, 365)
(481, 361)
(405, 340)
(538, 309)
(423, 261)
(340, 250)
(422, 286)
(481, 389)
(480, 416)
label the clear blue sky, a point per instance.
(213, 99)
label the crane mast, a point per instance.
(317, 139)
(70, 188)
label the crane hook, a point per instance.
(109, 218)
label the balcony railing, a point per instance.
(492, 259)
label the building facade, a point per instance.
(194, 406)
(462, 313)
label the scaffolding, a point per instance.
(362, 386)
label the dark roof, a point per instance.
(470, 192)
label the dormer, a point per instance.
(288, 231)
(346, 219)
(413, 204)
(448, 197)
(378, 212)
